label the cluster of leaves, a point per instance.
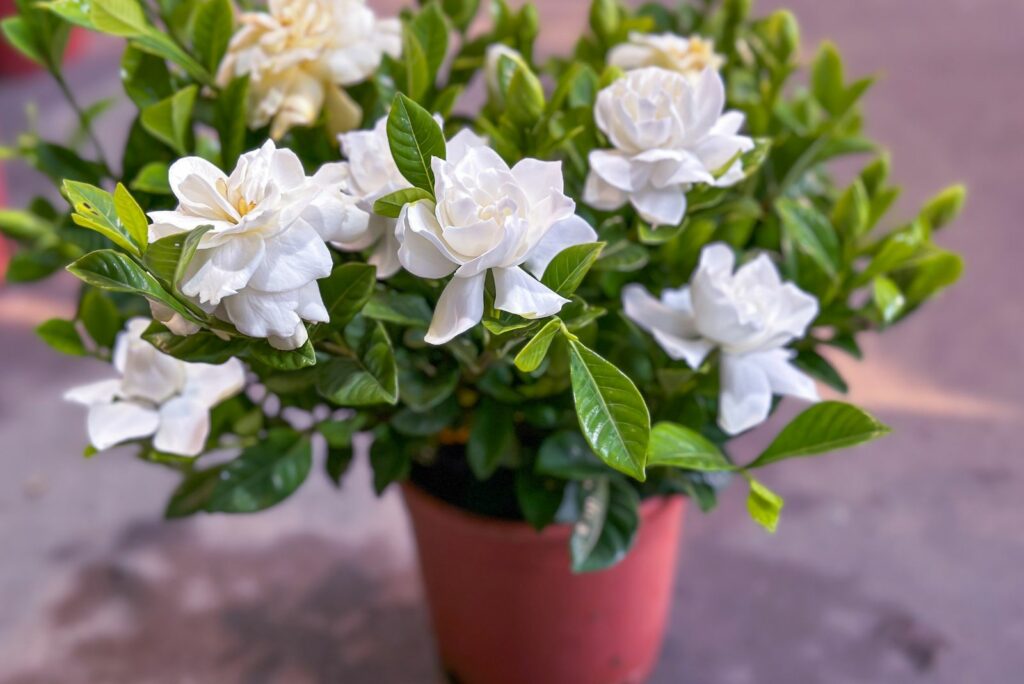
(579, 416)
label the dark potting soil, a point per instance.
(450, 479)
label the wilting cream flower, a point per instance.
(687, 56)
(749, 315)
(156, 395)
(301, 53)
(373, 174)
(489, 217)
(258, 266)
(668, 133)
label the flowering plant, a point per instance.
(547, 306)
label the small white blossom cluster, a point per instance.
(156, 396)
(299, 56)
(749, 316)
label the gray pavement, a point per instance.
(897, 562)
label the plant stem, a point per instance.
(82, 119)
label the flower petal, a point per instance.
(539, 179)
(184, 427)
(292, 258)
(746, 394)
(783, 376)
(111, 424)
(566, 233)
(210, 384)
(460, 307)
(517, 292)
(223, 270)
(421, 251)
(673, 328)
(613, 167)
(602, 195)
(660, 206)
(101, 392)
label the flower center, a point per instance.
(499, 212)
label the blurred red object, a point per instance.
(507, 609)
(13, 63)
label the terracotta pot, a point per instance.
(507, 609)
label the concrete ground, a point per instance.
(898, 562)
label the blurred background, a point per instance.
(902, 561)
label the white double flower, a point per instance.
(749, 315)
(156, 395)
(300, 54)
(689, 56)
(668, 132)
(257, 267)
(489, 217)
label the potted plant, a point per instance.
(552, 313)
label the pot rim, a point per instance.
(519, 530)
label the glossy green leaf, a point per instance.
(100, 317)
(230, 118)
(19, 33)
(118, 17)
(131, 217)
(612, 413)
(827, 79)
(23, 225)
(194, 492)
(889, 301)
(823, 427)
(370, 379)
(812, 234)
(113, 271)
(492, 438)
(170, 119)
(943, 209)
(391, 205)
(346, 291)
(533, 352)
(764, 505)
(96, 210)
(606, 528)
(930, 272)
(213, 26)
(415, 76)
(431, 31)
(62, 336)
(567, 455)
(201, 347)
(567, 270)
(415, 138)
(539, 497)
(408, 310)
(264, 474)
(286, 360)
(145, 77)
(680, 447)
(152, 178)
(818, 367)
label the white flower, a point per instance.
(372, 175)
(258, 266)
(489, 217)
(668, 133)
(687, 56)
(156, 395)
(300, 53)
(750, 315)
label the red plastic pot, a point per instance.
(507, 609)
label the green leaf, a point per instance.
(823, 427)
(764, 505)
(818, 367)
(533, 353)
(100, 317)
(213, 26)
(422, 391)
(389, 461)
(812, 233)
(408, 310)
(852, 212)
(928, 274)
(145, 77)
(168, 257)
(110, 270)
(431, 31)
(566, 271)
(132, 217)
(286, 360)
(201, 347)
(889, 301)
(492, 438)
(539, 497)
(23, 225)
(194, 492)
(415, 77)
(426, 423)
(606, 528)
(827, 79)
(605, 18)
(525, 100)
(943, 209)
(415, 139)
(62, 336)
(391, 205)
(680, 447)
(622, 256)
(346, 291)
(612, 413)
(19, 33)
(118, 17)
(230, 119)
(264, 474)
(169, 120)
(152, 178)
(567, 455)
(95, 209)
(370, 379)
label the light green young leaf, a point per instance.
(391, 205)
(19, 34)
(533, 352)
(812, 233)
(132, 217)
(415, 139)
(606, 528)
(170, 119)
(525, 100)
(889, 301)
(943, 209)
(118, 17)
(566, 271)
(680, 447)
(612, 413)
(824, 427)
(764, 505)
(62, 336)
(152, 178)
(96, 210)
